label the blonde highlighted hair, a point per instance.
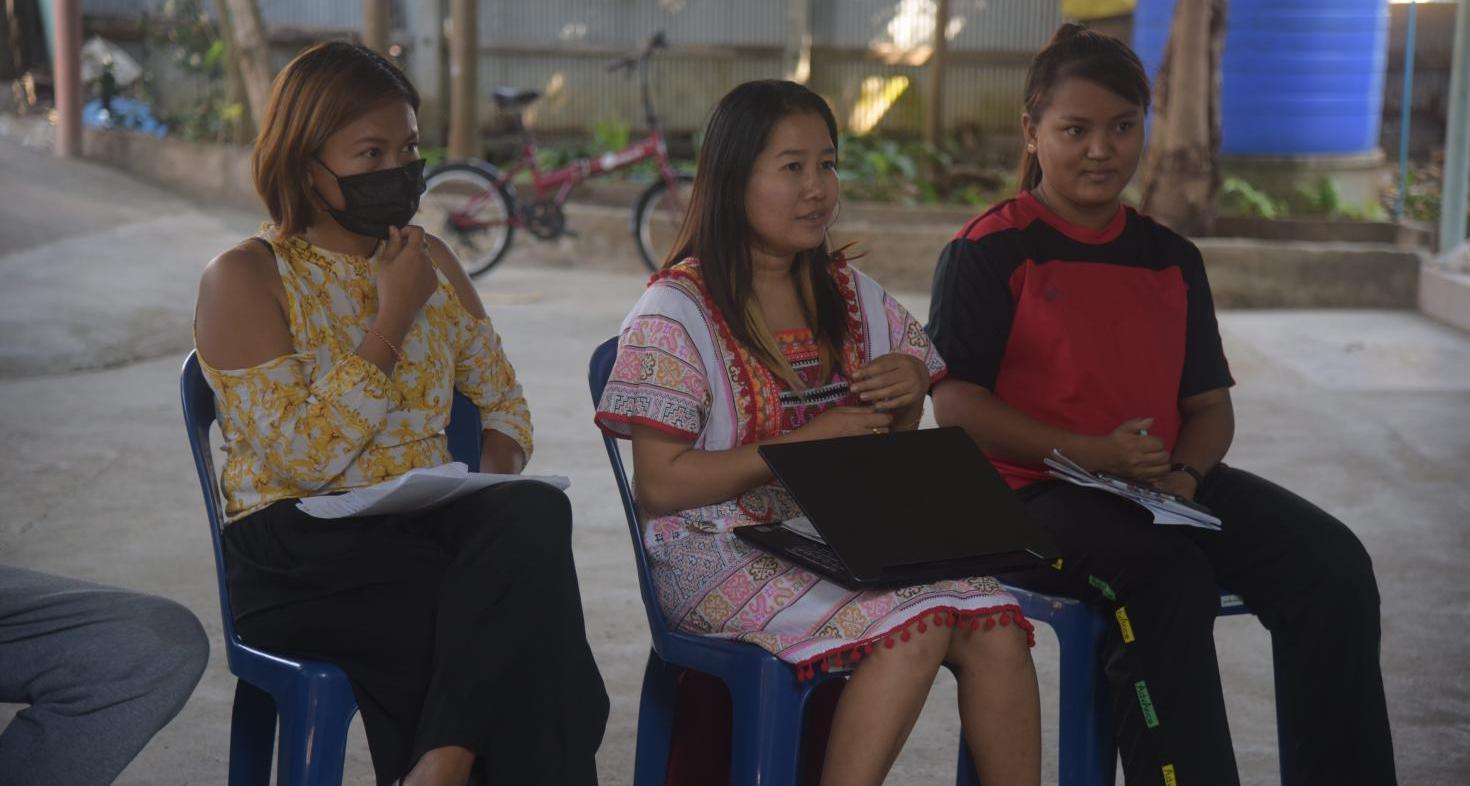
(323, 89)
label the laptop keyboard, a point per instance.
(819, 555)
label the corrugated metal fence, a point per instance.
(866, 55)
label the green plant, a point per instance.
(433, 155)
(198, 51)
(610, 136)
(1421, 198)
(1323, 199)
(1239, 197)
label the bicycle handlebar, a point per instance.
(627, 63)
(640, 62)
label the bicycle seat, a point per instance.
(514, 97)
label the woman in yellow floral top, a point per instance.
(334, 341)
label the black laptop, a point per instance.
(896, 509)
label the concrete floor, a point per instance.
(1367, 413)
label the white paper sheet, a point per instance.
(415, 490)
(1164, 507)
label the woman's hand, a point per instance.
(1130, 452)
(892, 383)
(406, 276)
(843, 422)
(1180, 484)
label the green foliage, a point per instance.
(1321, 200)
(1240, 198)
(912, 172)
(198, 51)
(610, 136)
(1324, 199)
(1422, 197)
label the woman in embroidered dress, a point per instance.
(334, 341)
(755, 332)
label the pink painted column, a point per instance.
(66, 68)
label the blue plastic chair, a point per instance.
(313, 699)
(768, 701)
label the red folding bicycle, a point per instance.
(474, 206)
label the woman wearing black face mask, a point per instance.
(334, 341)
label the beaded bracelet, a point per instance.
(387, 343)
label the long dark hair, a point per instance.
(717, 233)
(1075, 51)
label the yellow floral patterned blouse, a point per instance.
(324, 419)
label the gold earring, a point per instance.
(1030, 148)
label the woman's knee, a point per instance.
(1002, 649)
(918, 642)
(528, 517)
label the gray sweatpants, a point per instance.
(102, 669)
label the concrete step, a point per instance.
(1445, 295)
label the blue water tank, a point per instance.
(1298, 77)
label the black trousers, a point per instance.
(459, 626)
(1303, 573)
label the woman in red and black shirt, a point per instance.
(1072, 322)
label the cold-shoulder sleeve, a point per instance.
(308, 427)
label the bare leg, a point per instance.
(999, 704)
(446, 766)
(879, 707)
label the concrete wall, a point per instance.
(214, 174)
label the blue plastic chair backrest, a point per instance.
(598, 371)
(199, 413)
(198, 402)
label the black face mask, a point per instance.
(378, 200)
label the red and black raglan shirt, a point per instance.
(1078, 328)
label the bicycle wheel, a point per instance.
(657, 218)
(471, 212)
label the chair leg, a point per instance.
(655, 722)
(1283, 723)
(314, 733)
(1088, 752)
(965, 772)
(766, 729)
(252, 736)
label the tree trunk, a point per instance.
(464, 95)
(938, 61)
(250, 50)
(1181, 172)
(377, 25)
(243, 128)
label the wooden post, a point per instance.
(251, 52)
(934, 105)
(377, 23)
(796, 54)
(426, 67)
(67, 68)
(1457, 139)
(244, 128)
(464, 99)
